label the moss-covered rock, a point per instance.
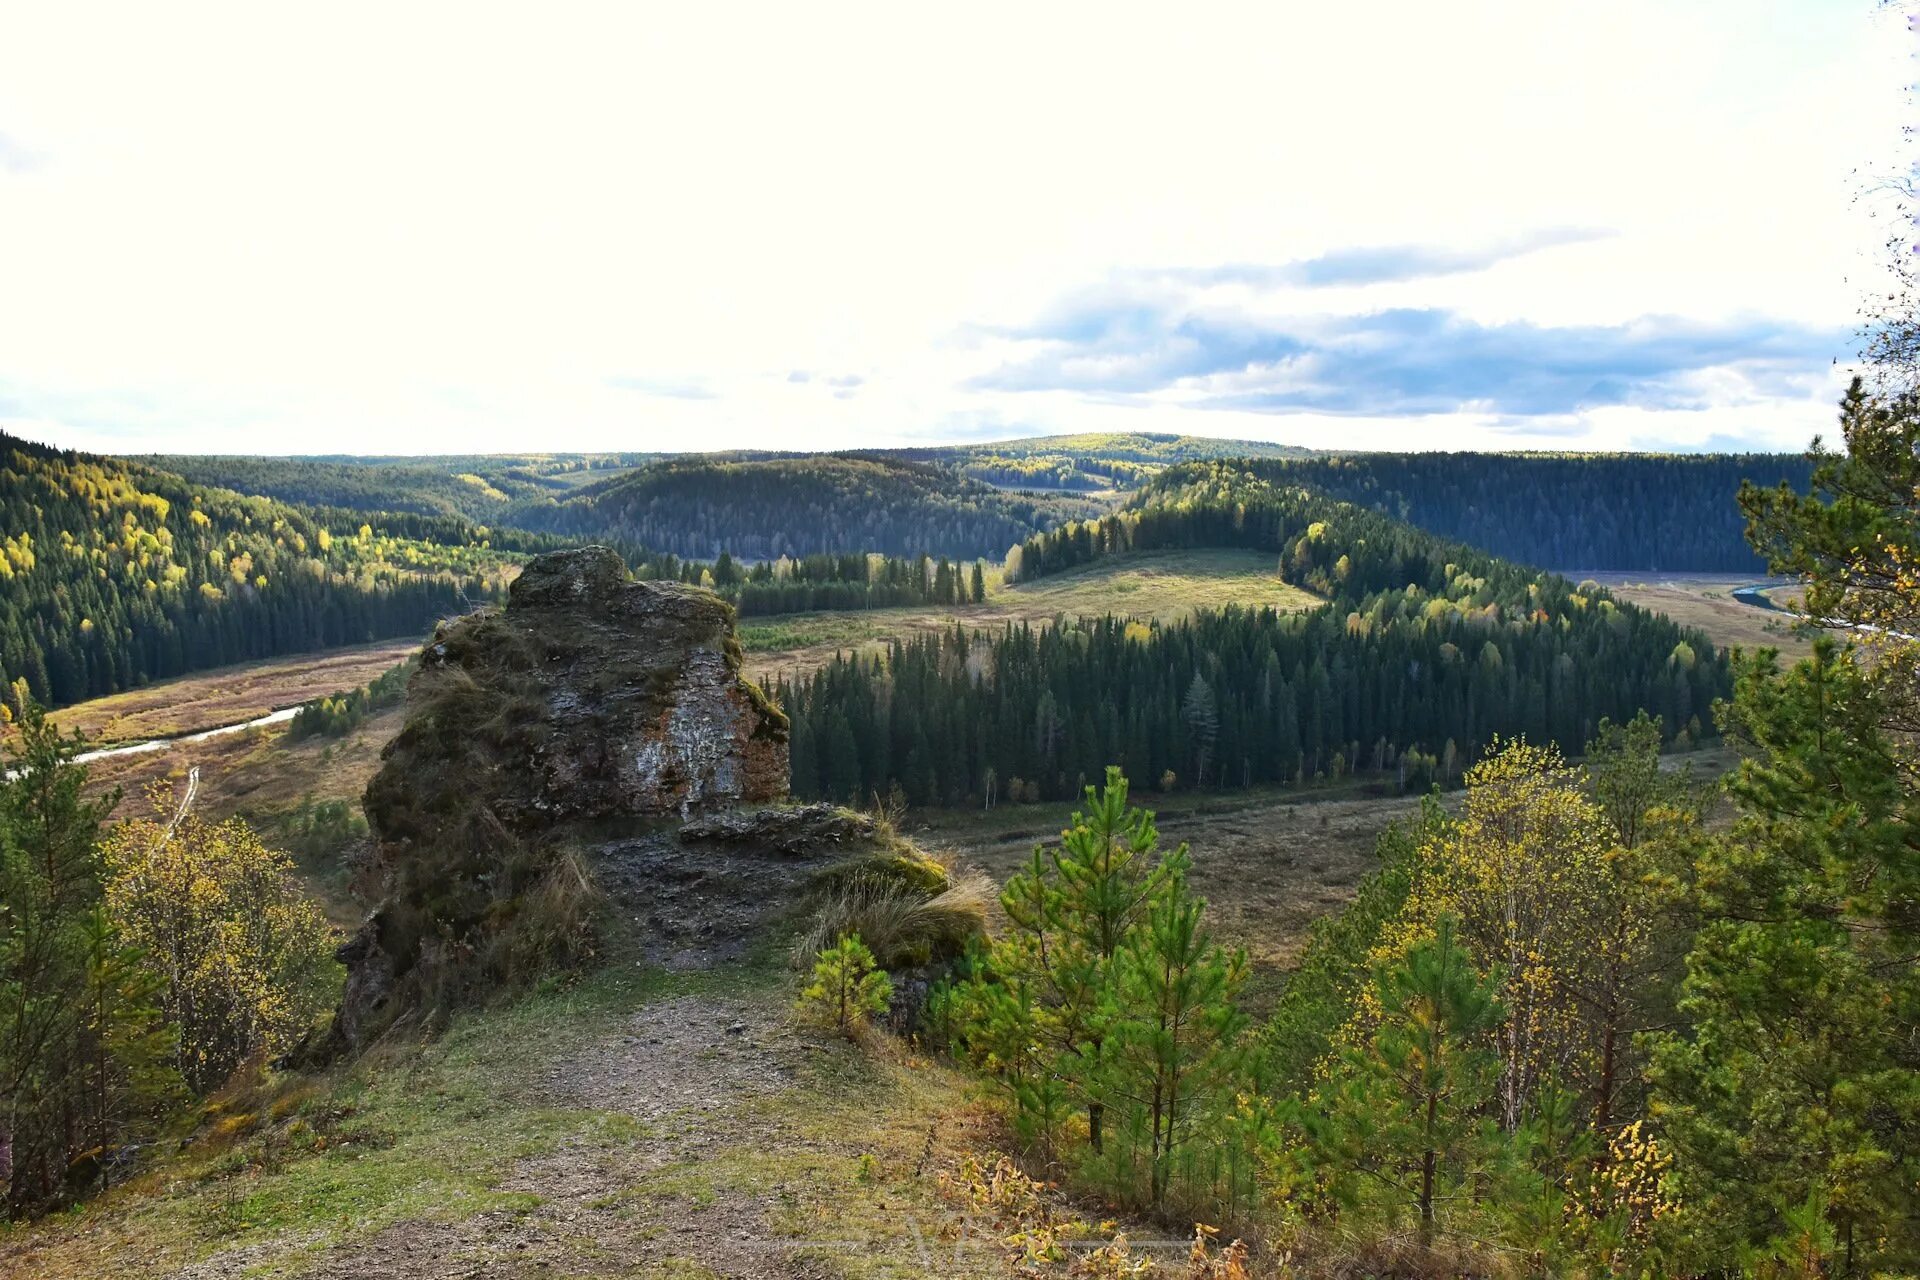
(590, 705)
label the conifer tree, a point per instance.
(1796, 1083)
(1175, 1045)
(1070, 912)
(847, 989)
(1792, 1094)
(1406, 1110)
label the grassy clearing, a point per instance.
(807, 631)
(1157, 585)
(1163, 585)
(397, 1139)
(1269, 861)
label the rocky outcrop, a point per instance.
(629, 693)
(714, 890)
(550, 750)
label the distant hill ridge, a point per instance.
(1640, 512)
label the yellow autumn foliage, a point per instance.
(244, 954)
(1527, 871)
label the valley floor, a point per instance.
(1706, 601)
(229, 695)
(642, 1125)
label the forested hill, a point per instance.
(1089, 461)
(1427, 651)
(113, 574)
(474, 487)
(763, 508)
(1631, 512)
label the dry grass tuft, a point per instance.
(902, 922)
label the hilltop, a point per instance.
(762, 508)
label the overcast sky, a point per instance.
(401, 229)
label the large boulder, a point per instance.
(547, 747)
(589, 696)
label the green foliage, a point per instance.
(1106, 997)
(1790, 1086)
(1322, 992)
(1407, 1115)
(764, 507)
(822, 582)
(473, 488)
(244, 957)
(1453, 1059)
(113, 575)
(906, 919)
(1655, 512)
(1852, 538)
(337, 716)
(83, 1050)
(321, 829)
(1795, 1082)
(1379, 680)
(847, 990)
(1173, 1060)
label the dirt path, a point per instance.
(717, 1160)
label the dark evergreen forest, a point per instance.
(1657, 513)
(1426, 652)
(763, 509)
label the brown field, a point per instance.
(1706, 601)
(1268, 862)
(229, 695)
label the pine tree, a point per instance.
(1202, 717)
(1174, 1049)
(1796, 1082)
(1407, 1109)
(1069, 914)
(847, 990)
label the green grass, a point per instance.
(803, 631)
(422, 1132)
(1162, 585)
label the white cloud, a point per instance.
(429, 228)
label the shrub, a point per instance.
(846, 991)
(901, 920)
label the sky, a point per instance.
(420, 229)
